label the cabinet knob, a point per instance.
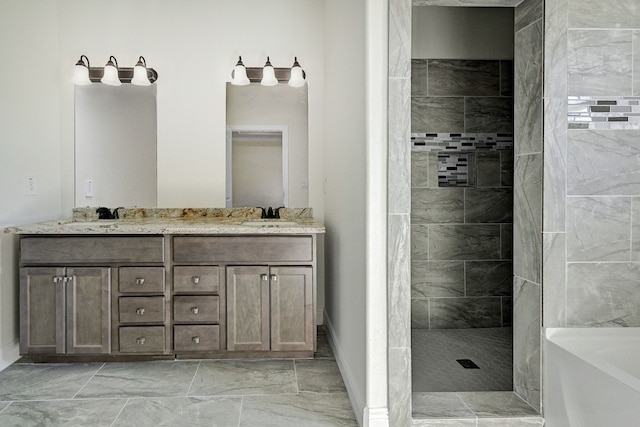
(141, 340)
(196, 340)
(265, 277)
(57, 279)
(274, 278)
(195, 310)
(67, 279)
(195, 280)
(140, 281)
(140, 311)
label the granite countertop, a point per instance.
(178, 221)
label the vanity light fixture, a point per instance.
(140, 77)
(268, 75)
(297, 74)
(81, 72)
(239, 74)
(110, 76)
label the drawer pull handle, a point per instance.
(67, 279)
(141, 340)
(57, 279)
(195, 280)
(139, 281)
(140, 311)
(196, 340)
(264, 277)
(274, 278)
(195, 310)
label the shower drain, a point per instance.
(467, 364)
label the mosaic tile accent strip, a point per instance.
(461, 141)
(604, 112)
(454, 168)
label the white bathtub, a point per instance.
(591, 377)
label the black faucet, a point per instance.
(270, 212)
(105, 213)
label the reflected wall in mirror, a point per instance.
(115, 145)
(259, 115)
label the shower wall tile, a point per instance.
(527, 227)
(464, 242)
(439, 114)
(603, 14)
(555, 161)
(603, 294)
(488, 169)
(419, 169)
(528, 89)
(488, 114)
(400, 386)
(507, 311)
(615, 172)
(526, 340)
(486, 278)
(464, 78)
(491, 205)
(437, 279)
(598, 228)
(400, 38)
(420, 313)
(636, 61)
(506, 239)
(554, 279)
(600, 62)
(506, 78)
(506, 168)
(433, 170)
(399, 274)
(419, 242)
(459, 313)
(399, 158)
(419, 77)
(437, 205)
(635, 229)
(555, 49)
(527, 13)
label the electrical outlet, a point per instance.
(30, 186)
(88, 188)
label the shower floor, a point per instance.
(434, 353)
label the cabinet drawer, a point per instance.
(144, 339)
(196, 279)
(196, 309)
(243, 248)
(196, 337)
(141, 279)
(91, 249)
(141, 309)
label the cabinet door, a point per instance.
(247, 308)
(292, 322)
(88, 310)
(42, 310)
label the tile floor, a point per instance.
(288, 392)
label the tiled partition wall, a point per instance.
(461, 236)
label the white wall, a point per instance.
(29, 140)
(345, 166)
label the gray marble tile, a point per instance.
(459, 313)
(439, 114)
(399, 275)
(319, 376)
(3, 405)
(555, 50)
(437, 205)
(450, 77)
(25, 381)
(527, 114)
(603, 162)
(399, 152)
(433, 170)
(420, 314)
(603, 14)
(439, 405)
(488, 169)
(507, 311)
(554, 279)
(420, 242)
(444, 422)
(464, 242)
(488, 278)
(598, 228)
(420, 169)
(183, 411)
(527, 217)
(600, 62)
(496, 403)
(635, 229)
(317, 410)
(555, 162)
(419, 77)
(437, 279)
(244, 378)
(603, 294)
(399, 386)
(506, 78)
(141, 379)
(324, 350)
(526, 341)
(488, 205)
(511, 422)
(636, 63)
(488, 114)
(506, 240)
(400, 38)
(62, 413)
(527, 13)
(506, 168)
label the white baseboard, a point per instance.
(376, 417)
(357, 401)
(9, 353)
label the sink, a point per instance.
(270, 223)
(90, 224)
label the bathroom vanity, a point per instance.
(207, 287)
